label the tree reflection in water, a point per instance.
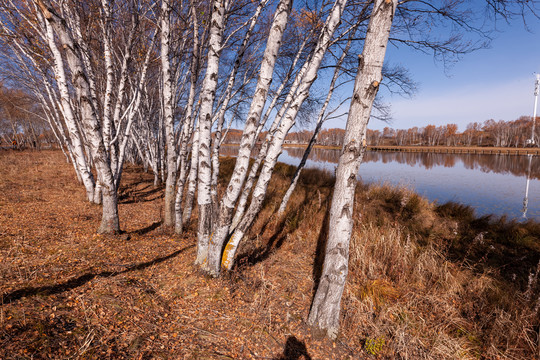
(492, 184)
(501, 164)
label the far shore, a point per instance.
(436, 149)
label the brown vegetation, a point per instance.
(425, 281)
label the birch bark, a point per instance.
(325, 310)
(168, 119)
(132, 115)
(248, 138)
(188, 124)
(227, 98)
(275, 146)
(107, 101)
(320, 121)
(204, 199)
(192, 178)
(242, 202)
(69, 117)
(91, 125)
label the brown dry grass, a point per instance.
(417, 287)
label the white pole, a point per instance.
(536, 90)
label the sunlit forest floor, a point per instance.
(426, 281)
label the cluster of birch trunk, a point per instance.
(161, 82)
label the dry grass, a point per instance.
(425, 281)
(405, 289)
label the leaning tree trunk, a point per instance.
(90, 123)
(192, 178)
(320, 121)
(275, 147)
(227, 97)
(187, 128)
(78, 151)
(242, 202)
(325, 309)
(248, 138)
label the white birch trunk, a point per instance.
(73, 22)
(325, 309)
(107, 53)
(131, 117)
(242, 202)
(227, 98)
(204, 199)
(168, 115)
(92, 128)
(320, 121)
(114, 121)
(82, 167)
(55, 122)
(192, 178)
(248, 138)
(275, 146)
(187, 128)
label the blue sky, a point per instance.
(497, 82)
(492, 83)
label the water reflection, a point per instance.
(502, 164)
(526, 198)
(492, 184)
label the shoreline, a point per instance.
(480, 150)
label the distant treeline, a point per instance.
(22, 121)
(501, 133)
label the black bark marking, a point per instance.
(346, 212)
(351, 181)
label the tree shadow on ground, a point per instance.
(130, 195)
(294, 350)
(149, 228)
(320, 251)
(283, 226)
(83, 279)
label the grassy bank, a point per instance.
(426, 281)
(487, 150)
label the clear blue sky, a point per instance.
(493, 83)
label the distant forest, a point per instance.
(22, 120)
(501, 133)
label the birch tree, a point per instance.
(91, 124)
(325, 309)
(318, 125)
(248, 137)
(168, 110)
(33, 71)
(188, 123)
(275, 147)
(205, 123)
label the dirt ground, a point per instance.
(68, 293)
(426, 281)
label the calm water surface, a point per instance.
(492, 184)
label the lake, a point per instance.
(491, 184)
